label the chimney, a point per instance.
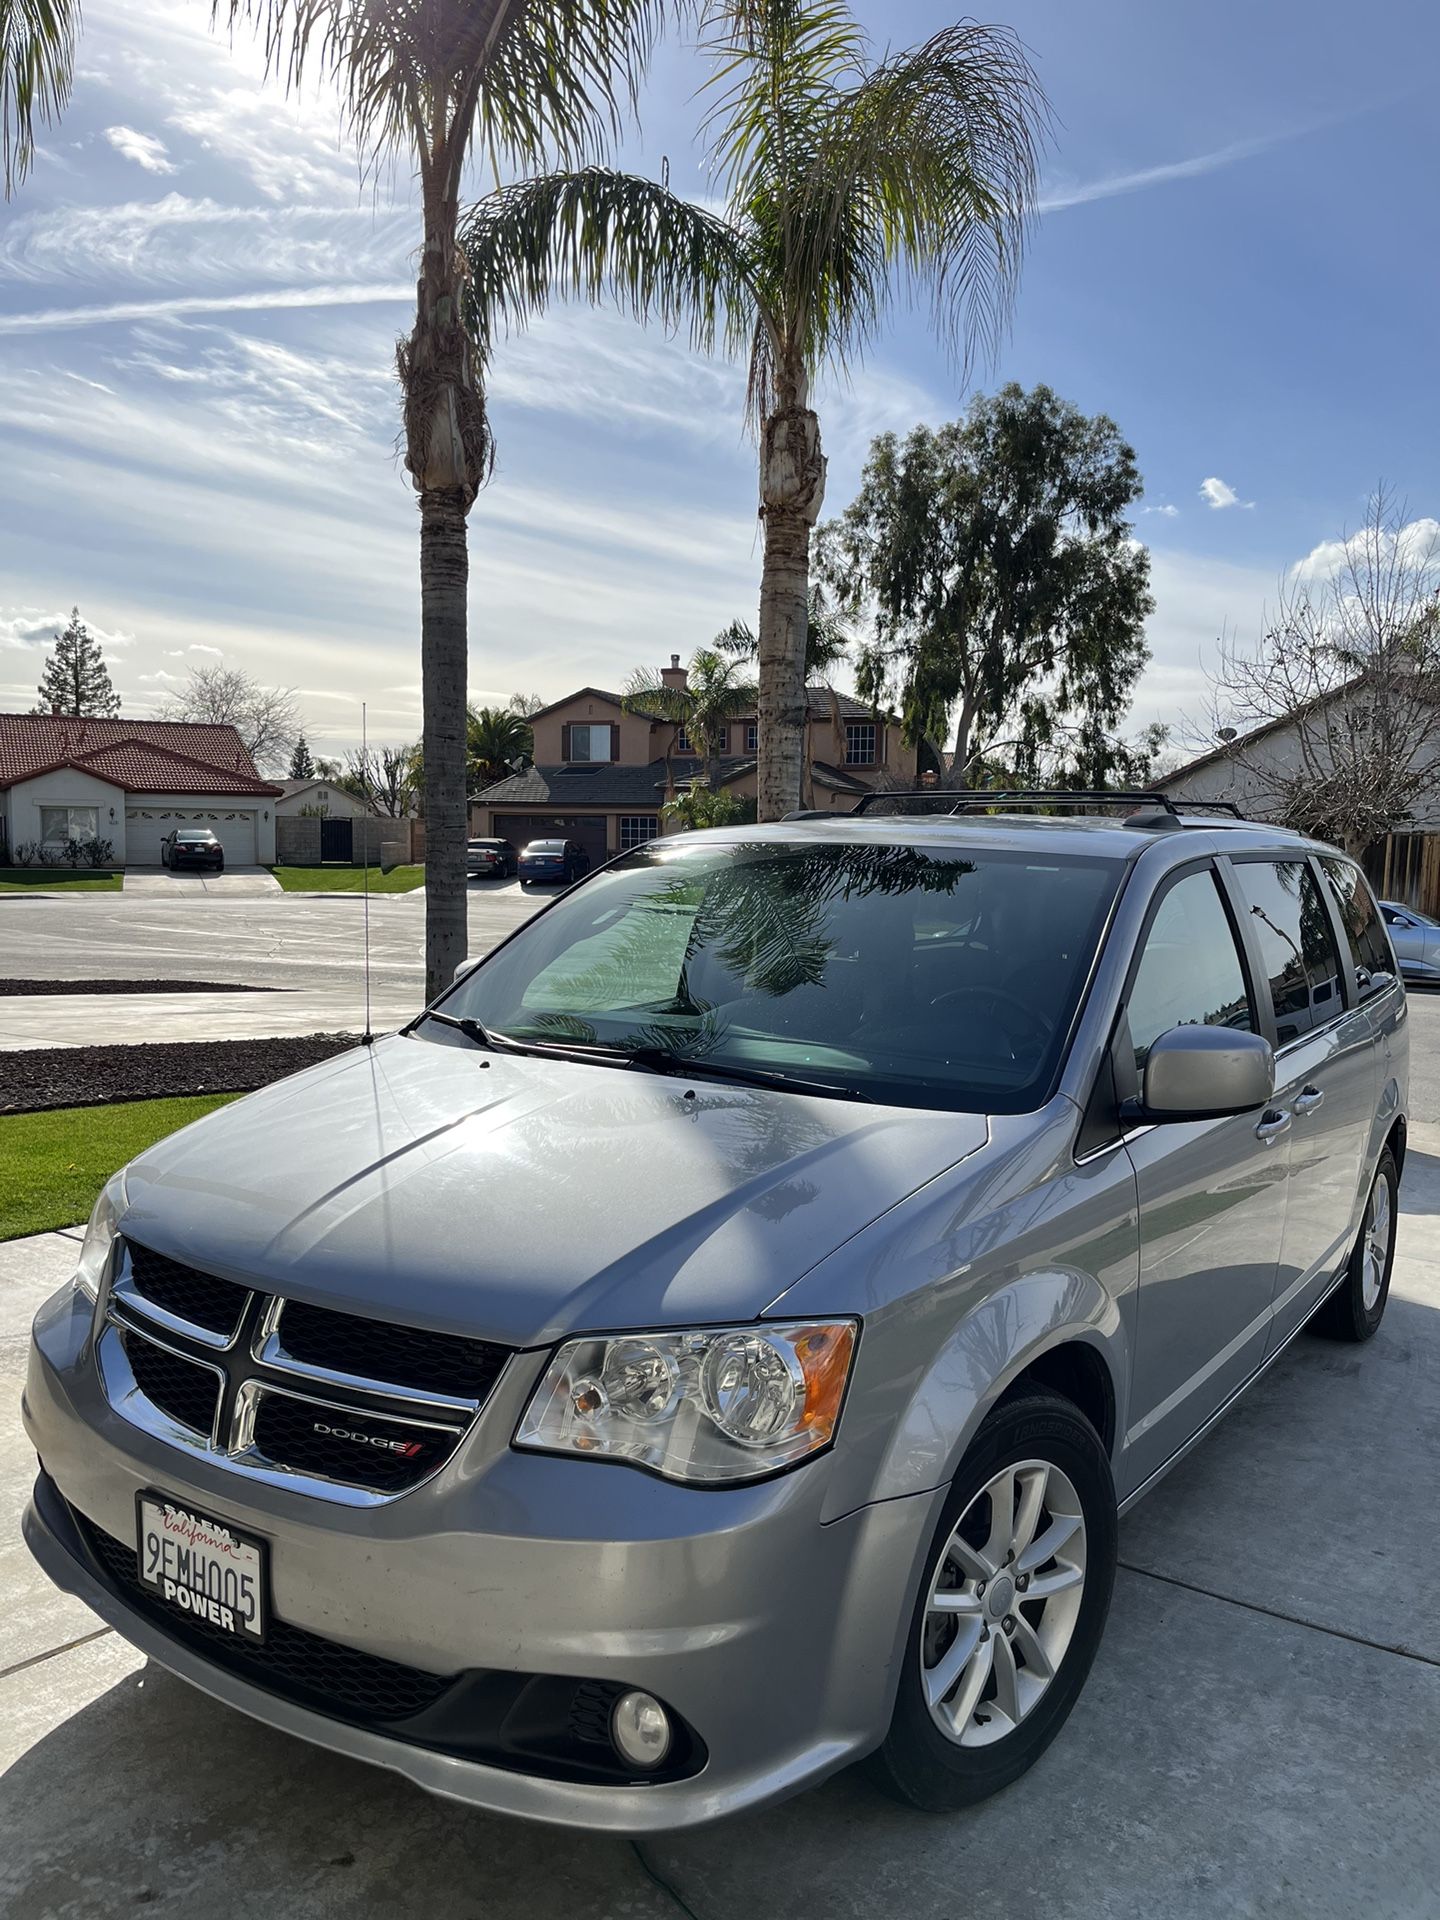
(674, 675)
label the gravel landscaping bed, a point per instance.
(33, 1080)
(124, 986)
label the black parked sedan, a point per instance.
(490, 859)
(562, 860)
(192, 847)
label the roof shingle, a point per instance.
(141, 756)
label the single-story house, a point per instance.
(129, 783)
(322, 797)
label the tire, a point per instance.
(941, 1771)
(1357, 1306)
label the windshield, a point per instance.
(925, 977)
(199, 839)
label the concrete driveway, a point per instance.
(235, 882)
(1260, 1736)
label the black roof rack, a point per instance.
(939, 800)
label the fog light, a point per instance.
(640, 1728)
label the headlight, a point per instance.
(100, 1237)
(713, 1406)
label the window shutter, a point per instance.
(565, 743)
(614, 742)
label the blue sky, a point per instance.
(198, 302)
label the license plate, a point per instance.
(203, 1568)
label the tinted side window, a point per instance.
(1296, 949)
(1189, 973)
(1369, 947)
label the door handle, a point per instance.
(1273, 1122)
(1308, 1099)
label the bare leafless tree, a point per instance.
(266, 718)
(387, 777)
(1332, 720)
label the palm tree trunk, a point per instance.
(444, 645)
(792, 489)
(447, 446)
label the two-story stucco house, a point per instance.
(129, 782)
(601, 775)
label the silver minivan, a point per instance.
(716, 1341)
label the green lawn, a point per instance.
(348, 879)
(56, 1163)
(85, 879)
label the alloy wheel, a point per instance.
(1003, 1602)
(1375, 1248)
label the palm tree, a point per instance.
(841, 178)
(713, 696)
(828, 638)
(494, 737)
(423, 80)
(37, 60)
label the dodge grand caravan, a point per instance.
(714, 1342)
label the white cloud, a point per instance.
(1081, 193)
(1219, 494)
(197, 647)
(1167, 512)
(145, 149)
(1416, 545)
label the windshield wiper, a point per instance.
(662, 1060)
(472, 1030)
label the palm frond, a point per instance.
(931, 163)
(593, 234)
(37, 63)
(529, 79)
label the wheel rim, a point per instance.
(1002, 1603)
(1375, 1251)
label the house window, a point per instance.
(750, 736)
(591, 743)
(59, 824)
(860, 743)
(636, 829)
(682, 740)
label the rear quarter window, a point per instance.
(1364, 929)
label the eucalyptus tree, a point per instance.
(844, 182)
(37, 63)
(423, 82)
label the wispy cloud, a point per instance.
(1167, 512)
(274, 299)
(1057, 199)
(143, 148)
(1219, 494)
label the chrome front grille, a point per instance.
(335, 1404)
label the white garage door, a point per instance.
(146, 827)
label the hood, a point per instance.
(518, 1199)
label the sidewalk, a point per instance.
(135, 1019)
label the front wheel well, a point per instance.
(1395, 1140)
(1079, 1374)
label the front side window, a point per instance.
(1364, 930)
(636, 829)
(1297, 953)
(860, 743)
(1190, 973)
(943, 977)
(59, 824)
(591, 743)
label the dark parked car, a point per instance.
(192, 847)
(563, 860)
(1415, 938)
(491, 859)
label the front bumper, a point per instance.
(772, 1635)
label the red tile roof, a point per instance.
(141, 756)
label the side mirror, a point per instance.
(1204, 1073)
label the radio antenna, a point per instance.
(368, 1038)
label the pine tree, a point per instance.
(76, 680)
(302, 767)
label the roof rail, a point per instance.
(937, 800)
